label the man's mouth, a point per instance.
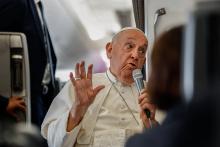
(133, 65)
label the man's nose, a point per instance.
(134, 54)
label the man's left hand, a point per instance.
(145, 103)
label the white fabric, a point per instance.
(114, 111)
(106, 121)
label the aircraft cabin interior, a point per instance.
(34, 60)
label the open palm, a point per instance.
(82, 83)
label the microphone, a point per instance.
(138, 79)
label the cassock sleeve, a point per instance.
(54, 125)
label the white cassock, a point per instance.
(110, 120)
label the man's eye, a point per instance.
(142, 50)
(129, 46)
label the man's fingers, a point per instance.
(145, 100)
(142, 97)
(89, 72)
(143, 115)
(97, 89)
(150, 107)
(72, 79)
(147, 106)
(82, 70)
(77, 73)
(143, 91)
(145, 119)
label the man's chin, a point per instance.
(127, 78)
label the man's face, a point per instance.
(126, 53)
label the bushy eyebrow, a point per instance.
(131, 39)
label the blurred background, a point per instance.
(81, 28)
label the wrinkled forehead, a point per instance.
(128, 29)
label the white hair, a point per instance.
(125, 29)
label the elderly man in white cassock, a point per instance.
(103, 109)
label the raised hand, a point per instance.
(84, 93)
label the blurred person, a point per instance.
(20, 135)
(8, 108)
(102, 109)
(25, 16)
(164, 90)
(201, 124)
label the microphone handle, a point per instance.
(140, 86)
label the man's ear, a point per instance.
(108, 48)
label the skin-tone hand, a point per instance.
(84, 93)
(15, 103)
(145, 103)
